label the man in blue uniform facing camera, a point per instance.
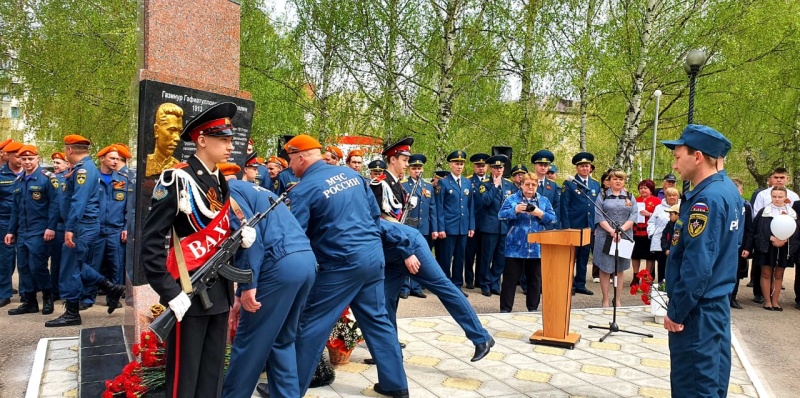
(457, 218)
(701, 270)
(489, 198)
(547, 187)
(336, 208)
(577, 212)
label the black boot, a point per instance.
(29, 306)
(113, 294)
(47, 302)
(70, 317)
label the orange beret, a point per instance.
(278, 161)
(301, 143)
(228, 169)
(260, 160)
(355, 152)
(75, 139)
(124, 151)
(58, 155)
(27, 150)
(4, 143)
(106, 150)
(12, 147)
(335, 151)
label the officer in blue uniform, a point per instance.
(130, 175)
(376, 169)
(336, 208)
(517, 172)
(422, 216)
(490, 197)
(284, 268)
(552, 173)
(60, 169)
(547, 187)
(701, 269)
(473, 262)
(8, 174)
(457, 218)
(80, 207)
(577, 212)
(400, 243)
(108, 256)
(285, 180)
(32, 228)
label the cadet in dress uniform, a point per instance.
(262, 176)
(108, 256)
(340, 215)
(577, 212)
(80, 209)
(490, 197)
(457, 218)
(474, 252)
(388, 190)
(60, 169)
(32, 228)
(250, 172)
(701, 269)
(190, 203)
(8, 174)
(284, 268)
(547, 187)
(422, 216)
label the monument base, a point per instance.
(568, 342)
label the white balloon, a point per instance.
(783, 226)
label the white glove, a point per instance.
(248, 236)
(179, 305)
(413, 201)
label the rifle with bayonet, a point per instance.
(218, 265)
(408, 206)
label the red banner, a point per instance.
(200, 246)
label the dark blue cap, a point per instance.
(552, 169)
(702, 138)
(441, 173)
(479, 158)
(497, 161)
(417, 159)
(582, 157)
(377, 165)
(543, 156)
(457, 156)
(518, 169)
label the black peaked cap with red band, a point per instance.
(213, 122)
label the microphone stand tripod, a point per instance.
(612, 327)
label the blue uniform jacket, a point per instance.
(577, 211)
(262, 178)
(36, 198)
(550, 190)
(113, 203)
(425, 211)
(340, 235)
(277, 235)
(62, 182)
(398, 242)
(7, 178)
(476, 181)
(283, 180)
(522, 224)
(490, 199)
(705, 246)
(457, 216)
(80, 201)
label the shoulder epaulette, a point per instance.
(470, 176)
(404, 180)
(47, 173)
(509, 180)
(122, 173)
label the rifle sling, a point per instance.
(186, 282)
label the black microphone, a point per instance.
(578, 183)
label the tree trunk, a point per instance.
(527, 98)
(445, 87)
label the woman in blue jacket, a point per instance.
(525, 212)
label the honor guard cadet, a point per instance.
(547, 186)
(80, 210)
(422, 216)
(701, 269)
(388, 190)
(188, 210)
(284, 268)
(474, 252)
(108, 256)
(577, 212)
(339, 213)
(376, 169)
(490, 197)
(251, 165)
(32, 228)
(407, 253)
(517, 172)
(8, 174)
(60, 169)
(457, 218)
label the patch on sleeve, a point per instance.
(699, 207)
(160, 192)
(80, 177)
(55, 182)
(697, 224)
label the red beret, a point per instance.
(301, 143)
(75, 139)
(27, 150)
(228, 169)
(12, 147)
(59, 155)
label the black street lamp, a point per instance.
(695, 60)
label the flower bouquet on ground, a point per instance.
(656, 297)
(139, 377)
(344, 337)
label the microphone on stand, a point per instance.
(578, 183)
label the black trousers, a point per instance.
(532, 267)
(201, 359)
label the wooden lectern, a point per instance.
(558, 259)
